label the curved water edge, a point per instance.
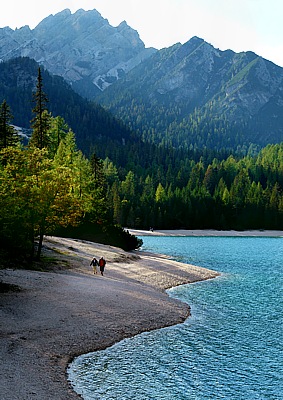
(230, 345)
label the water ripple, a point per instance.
(231, 347)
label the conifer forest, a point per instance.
(51, 184)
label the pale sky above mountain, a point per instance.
(239, 25)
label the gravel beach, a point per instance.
(50, 317)
(54, 316)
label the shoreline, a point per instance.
(207, 232)
(69, 311)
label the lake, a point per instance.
(231, 346)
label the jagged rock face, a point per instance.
(82, 47)
(196, 73)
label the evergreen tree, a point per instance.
(110, 172)
(8, 135)
(98, 173)
(57, 131)
(116, 203)
(41, 122)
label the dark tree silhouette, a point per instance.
(8, 135)
(40, 123)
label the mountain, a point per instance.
(82, 47)
(190, 96)
(196, 95)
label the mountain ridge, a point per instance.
(82, 47)
(193, 89)
(189, 95)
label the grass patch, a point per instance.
(49, 264)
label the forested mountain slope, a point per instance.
(95, 128)
(194, 95)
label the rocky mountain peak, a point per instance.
(82, 47)
(194, 42)
(130, 34)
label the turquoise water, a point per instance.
(231, 347)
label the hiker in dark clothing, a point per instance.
(94, 263)
(101, 264)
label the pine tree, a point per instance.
(98, 173)
(8, 135)
(41, 122)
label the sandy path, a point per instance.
(58, 315)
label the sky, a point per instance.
(239, 25)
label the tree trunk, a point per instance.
(39, 244)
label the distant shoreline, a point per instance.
(206, 232)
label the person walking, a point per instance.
(102, 264)
(94, 264)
